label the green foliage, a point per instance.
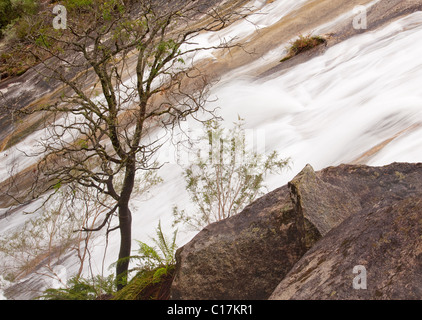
(165, 253)
(57, 186)
(6, 13)
(77, 4)
(21, 7)
(82, 289)
(148, 285)
(154, 269)
(42, 41)
(109, 8)
(229, 179)
(160, 254)
(166, 46)
(19, 21)
(82, 143)
(11, 10)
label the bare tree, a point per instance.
(127, 72)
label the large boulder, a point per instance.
(367, 216)
(385, 247)
(245, 256)
(382, 238)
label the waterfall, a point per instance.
(358, 102)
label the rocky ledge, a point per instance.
(346, 232)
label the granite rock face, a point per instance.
(329, 196)
(382, 239)
(324, 204)
(304, 240)
(245, 256)
(386, 242)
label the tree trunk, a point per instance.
(125, 220)
(125, 223)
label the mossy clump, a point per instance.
(303, 43)
(148, 285)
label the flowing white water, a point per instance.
(329, 110)
(261, 15)
(326, 111)
(337, 106)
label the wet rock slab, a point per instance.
(245, 256)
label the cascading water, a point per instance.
(335, 107)
(359, 102)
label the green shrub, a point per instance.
(18, 20)
(13, 9)
(82, 289)
(6, 14)
(25, 7)
(230, 177)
